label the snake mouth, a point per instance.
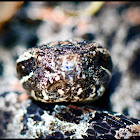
(59, 91)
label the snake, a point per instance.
(63, 72)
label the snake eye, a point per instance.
(24, 68)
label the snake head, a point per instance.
(65, 71)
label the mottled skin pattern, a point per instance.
(65, 71)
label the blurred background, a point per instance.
(114, 25)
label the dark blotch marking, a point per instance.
(70, 114)
(85, 93)
(23, 131)
(126, 120)
(69, 133)
(135, 64)
(36, 118)
(107, 136)
(88, 36)
(110, 39)
(25, 127)
(115, 81)
(100, 128)
(97, 118)
(133, 33)
(89, 137)
(114, 123)
(1, 68)
(49, 69)
(31, 109)
(32, 41)
(91, 132)
(58, 135)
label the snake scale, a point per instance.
(62, 78)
